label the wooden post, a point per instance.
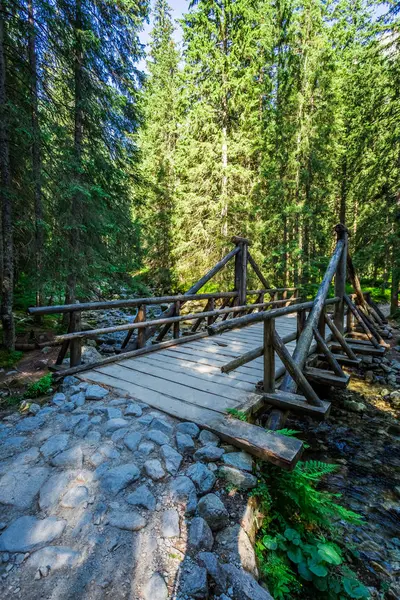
(211, 306)
(301, 319)
(269, 356)
(340, 279)
(76, 344)
(140, 317)
(176, 314)
(241, 270)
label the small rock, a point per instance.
(20, 486)
(161, 425)
(54, 557)
(243, 585)
(188, 429)
(240, 480)
(59, 399)
(29, 424)
(170, 524)
(200, 535)
(28, 533)
(55, 444)
(114, 413)
(142, 497)
(369, 376)
(239, 460)
(194, 582)
(158, 437)
(209, 453)
(154, 469)
(117, 478)
(95, 392)
(79, 399)
(54, 487)
(131, 521)
(114, 424)
(182, 490)
(353, 406)
(185, 443)
(34, 408)
(210, 561)
(155, 588)
(203, 478)
(172, 459)
(134, 410)
(146, 448)
(233, 545)
(207, 437)
(213, 511)
(132, 440)
(75, 497)
(72, 458)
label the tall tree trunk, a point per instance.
(7, 287)
(343, 193)
(36, 155)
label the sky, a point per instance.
(179, 7)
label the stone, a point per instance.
(117, 478)
(213, 511)
(153, 469)
(34, 408)
(209, 453)
(202, 477)
(185, 443)
(210, 561)
(68, 406)
(188, 429)
(161, 425)
(233, 545)
(75, 497)
(118, 436)
(155, 588)
(146, 448)
(19, 487)
(29, 424)
(72, 458)
(96, 420)
(143, 497)
(29, 533)
(27, 457)
(194, 582)
(207, 437)
(170, 524)
(93, 437)
(68, 381)
(239, 460)
(54, 487)
(59, 399)
(200, 535)
(132, 440)
(239, 479)
(353, 406)
(182, 490)
(95, 392)
(145, 419)
(131, 521)
(114, 424)
(79, 399)
(9, 446)
(55, 444)
(243, 586)
(133, 410)
(172, 459)
(114, 413)
(158, 437)
(54, 557)
(369, 376)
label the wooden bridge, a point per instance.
(253, 351)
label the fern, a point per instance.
(237, 414)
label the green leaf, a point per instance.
(293, 536)
(304, 571)
(269, 542)
(295, 555)
(320, 583)
(329, 554)
(318, 569)
(355, 589)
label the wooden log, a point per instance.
(269, 356)
(295, 372)
(340, 280)
(247, 357)
(236, 239)
(336, 368)
(241, 272)
(210, 320)
(257, 270)
(375, 332)
(139, 352)
(323, 377)
(355, 282)
(303, 345)
(75, 344)
(376, 307)
(297, 404)
(218, 328)
(301, 320)
(177, 310)
(340, 338)
(141, 318)
(359, 318)
(358, 349)
(343, 360)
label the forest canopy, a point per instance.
(274, 120)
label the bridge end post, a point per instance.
(340, 278)
(241, 260)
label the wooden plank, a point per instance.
(197, 370)
(277, 449)
(212, 352)
(175, 390)
(343, 359)
(185, 379)
(297, 404)
(359, 349)
(326, 377)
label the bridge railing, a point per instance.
(219, 306)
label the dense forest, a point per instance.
(275, 120)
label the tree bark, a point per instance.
(36, 155)
(7, 288)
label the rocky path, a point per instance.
(103, 497)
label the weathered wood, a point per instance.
(295, 372)
(303, 345)
(117, 357)
(321, 376)
(141, 318)
(297, 404)
(375, 332)
(219, 328)
(340, 279)
(336, 368)
(243, 359)
(257, 270)
(353, 277)
(241, 272)
(177, 310)
(340, 338)
(301, 320)
(359, 318)
(269, 356)
(343, 360)
(210, 320)
(376, 307)
(75, 344)
(358, 349)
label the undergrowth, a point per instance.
(9, 359)
(40, 387)
(299, 548)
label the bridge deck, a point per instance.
(191, 373)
